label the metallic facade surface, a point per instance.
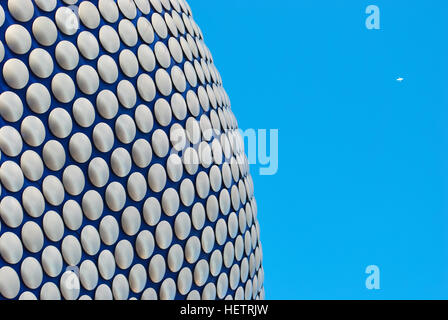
(123, 173)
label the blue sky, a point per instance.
(362, 174)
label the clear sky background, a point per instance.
(363, 158)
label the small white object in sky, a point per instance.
(400, 79)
